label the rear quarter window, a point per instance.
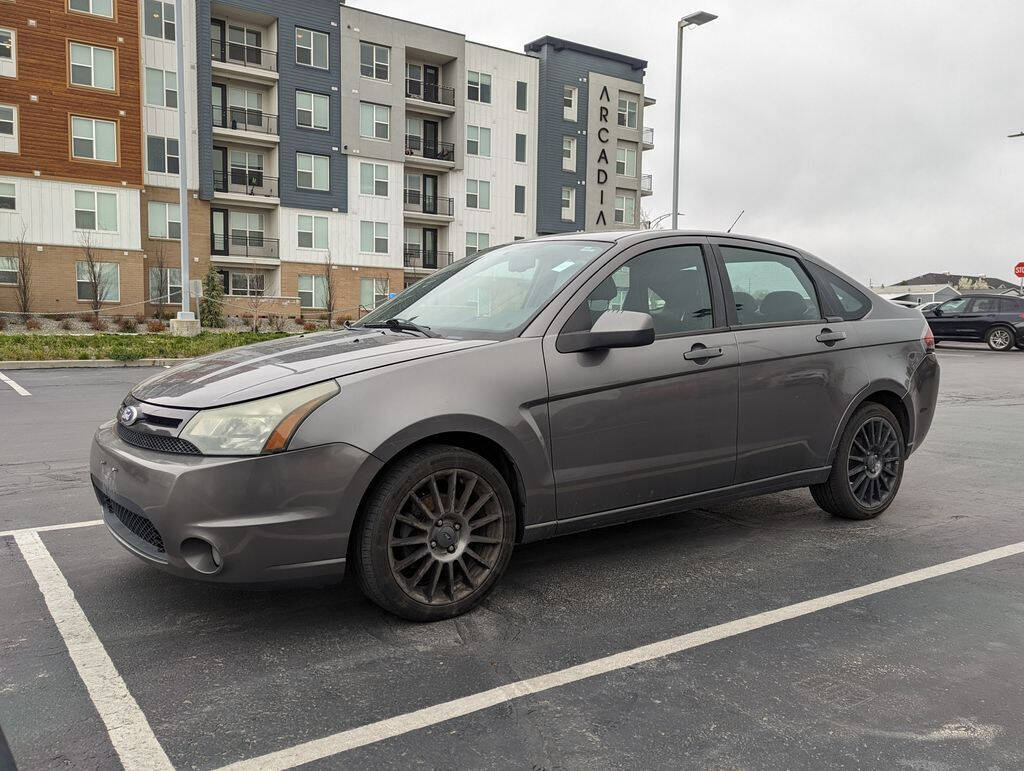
(846, 300)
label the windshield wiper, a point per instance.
(402, 325)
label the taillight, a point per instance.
(928, 338)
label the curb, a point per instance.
(88, 363)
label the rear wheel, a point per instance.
(437, 533)
(1000, 338)
(868, 467)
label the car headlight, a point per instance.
(258, 427)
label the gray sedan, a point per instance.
(540, 388)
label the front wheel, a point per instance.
(437, 533)
(999, 338)
(868, 467)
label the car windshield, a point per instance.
(491, 296)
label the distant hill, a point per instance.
(961, 282)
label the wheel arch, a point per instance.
(890, 395)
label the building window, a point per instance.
(311, 110)
(159, 19)
(7, 53)
(162, 155)
(92, 66)
(520, 199)
(627, 112)
(569, 94)
(94, 139)
(8, 270)
(161, 88)
(373, 179)
(313, 291)
(478, 194)
(312, 172)
(520, 148)
(95, 7)
(8, 128)
(248, 284)
(374, 61)
(568, 204)
(476, 241)
(95, 211)
(373, 237)
(165, 285)
(312, 231)
(478, 141)
(478, 87)
(100, 280)
(164, 220)
(374, 120)
(568, 153)
(625, 209)
(311, 48)
(373, 292)
(247, 228)
(246, 168)
(520, 95)
(8, 196)
(625, 161)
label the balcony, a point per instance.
(245, 55)
(647, 138)
(646, 185)
(239, 124)
(256, 247)
(428, 205)
(245, 182)
(419, 147)
(418, 258)
(439, 99)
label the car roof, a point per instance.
(638, 236)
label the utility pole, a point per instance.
(187, 325)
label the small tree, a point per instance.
(96, 278)
(163, 286)
(211, 304)
(25, 257)
(256, 300)
(329, 296)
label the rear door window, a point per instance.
(985, 305)
(769, 288)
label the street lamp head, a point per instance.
(696, 19)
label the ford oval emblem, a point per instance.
(128, 415)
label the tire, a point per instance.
(1000, 338)
(1020, 346)
(863, 490)
(460, 560)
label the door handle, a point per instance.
(700, 353)
(828, 337)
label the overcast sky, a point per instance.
(870, 132)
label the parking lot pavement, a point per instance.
(921, 675)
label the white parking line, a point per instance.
(129, 731)
(47, 528)
(318, 749)
(21, 391)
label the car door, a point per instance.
(631, 427)
(945, 320)
(978, 316)
(798, 369)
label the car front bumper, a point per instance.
(269, 518)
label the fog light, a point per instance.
(202, 556)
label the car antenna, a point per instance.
(735, 221)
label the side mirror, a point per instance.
(937, 310)
(613, 329)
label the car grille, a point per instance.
(137, 524)
(156, 442)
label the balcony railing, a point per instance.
(239, 53)
(648, 135)
(246, 182)
(418, 257)
(426, 148)
(242, 119)
(430, 92)
(646, 185)
(429, 204)
(245, 245)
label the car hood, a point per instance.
(263, 369)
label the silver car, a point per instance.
(537, 389)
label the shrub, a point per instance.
(310, 326)
(156, 325)
(98, 324)
(33, 323)
(3, 323)
(85, 317)
(140, 319)
(127, 324)
(211, 304)
(66, 324)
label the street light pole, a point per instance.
(692, 20)
(179, 26)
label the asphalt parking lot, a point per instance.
(138, 668)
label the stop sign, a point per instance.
(1019, 270)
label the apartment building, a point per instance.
(331, 152)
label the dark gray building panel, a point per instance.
(316, 15)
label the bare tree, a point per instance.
(256, 300)
(163, 286)
(97, 280)
(329, 295)
(25, 257)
